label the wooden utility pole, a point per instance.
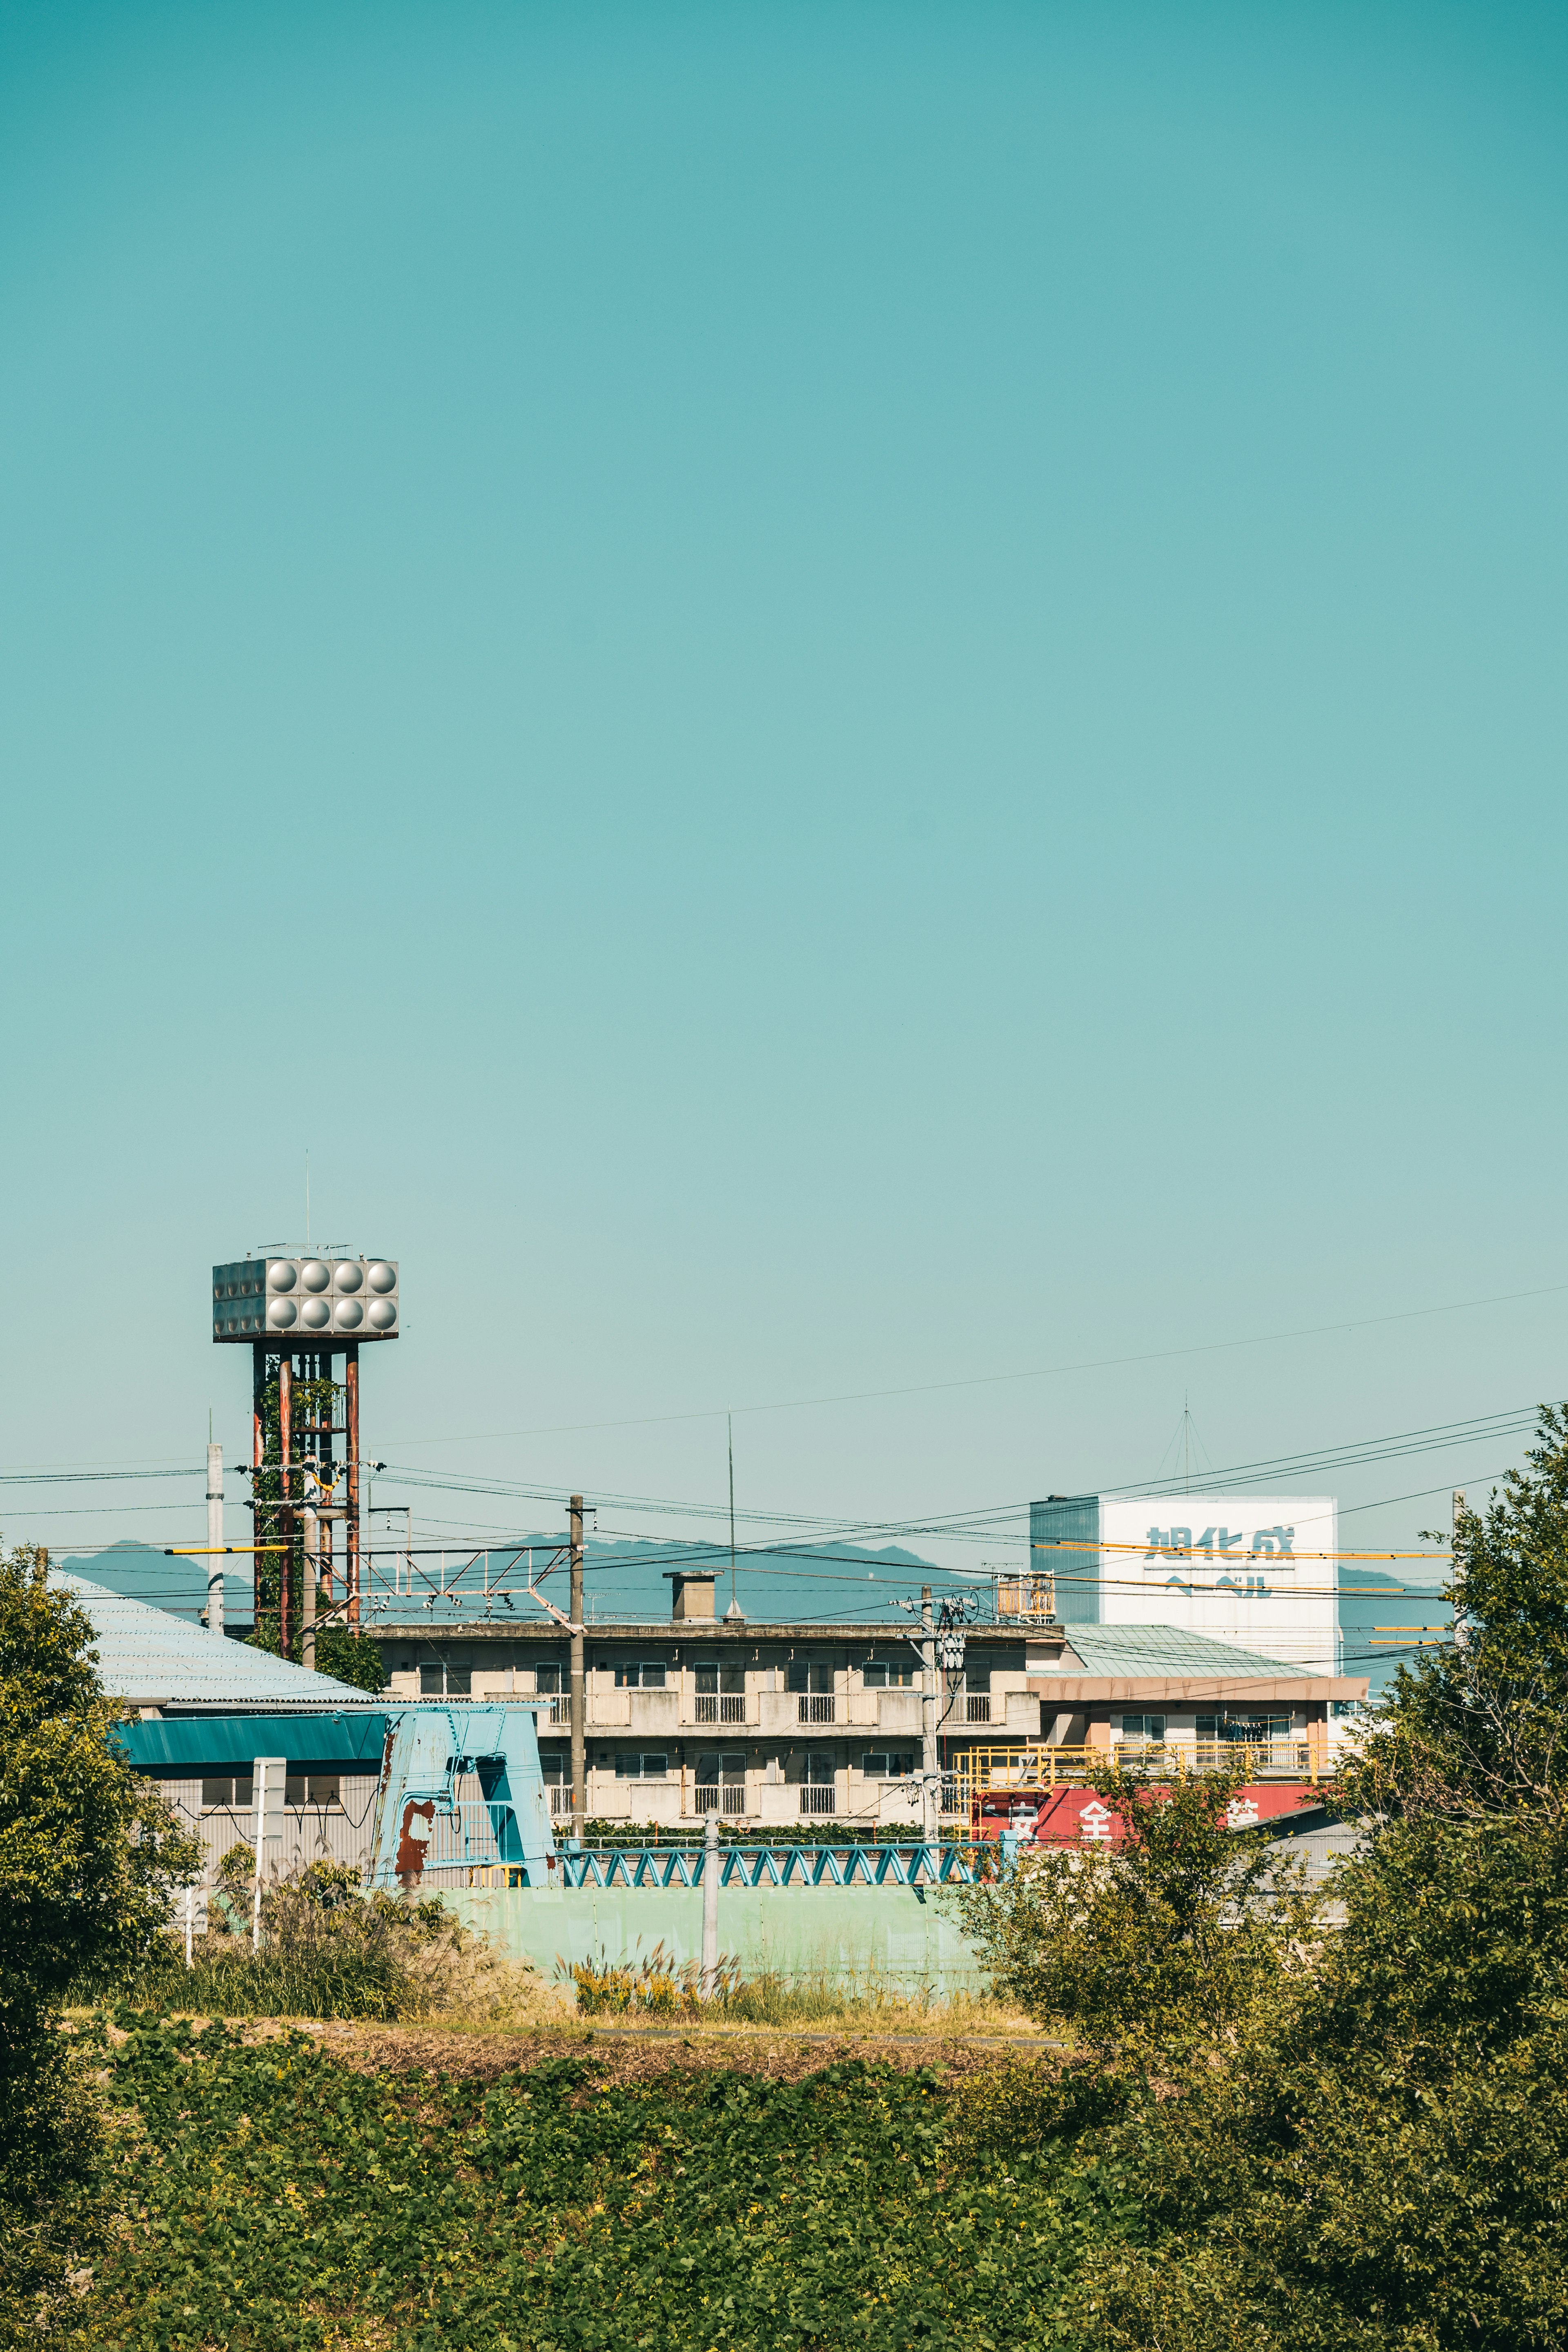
(579, 1679)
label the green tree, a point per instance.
(1177, 1931)
(1383, 2162)
(89, 1860)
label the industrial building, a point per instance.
(775, 1724)
(201, 1708)
(1257, 1570)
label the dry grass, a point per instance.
(466, 1983)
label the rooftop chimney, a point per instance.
(691, 1593)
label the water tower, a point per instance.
(296, 1313)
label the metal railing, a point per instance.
(746, 1862)
(977, 1707)
(1033, 1765)
(817, 1707)
(816, 1799)
(721, 1797)
(724, 1707)
(560, 1711)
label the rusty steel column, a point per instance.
(351, 1543)
(286, 1530)
(258, 1455)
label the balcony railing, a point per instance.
(560, 1711)
(560, 1796)
(722, 1708)
(1031, 1765)
(817, 1707)
(721, 1797)
(815, 1799)
(977, 1707)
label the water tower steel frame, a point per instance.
(255, 1305)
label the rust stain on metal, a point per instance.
(413, 1845)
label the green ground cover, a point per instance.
(259, 2195)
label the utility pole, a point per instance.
(285, 1454)
(730, 1427)
(312, 1570)
(215, 1537)
(930, 1790)
(579, 1679)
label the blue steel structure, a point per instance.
(420, 1815)
(777, 1865)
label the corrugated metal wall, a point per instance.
(1069, 1518)
(340, 1833)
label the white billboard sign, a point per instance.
(1257, 1570)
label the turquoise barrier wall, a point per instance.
(905, 1937)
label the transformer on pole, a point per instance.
(296, 1313)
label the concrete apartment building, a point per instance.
(773, 1724)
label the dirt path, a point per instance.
(621, 2053)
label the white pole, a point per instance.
(269, 1781)
(215, 1539)
(190, 1924)
(710, 1906)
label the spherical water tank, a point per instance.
(315, 1276)
(282, 1275)
(382, 1278)
(280, 1314)
(348, 1274)
(382, 1315)
(315, 1314)
(347, 1315)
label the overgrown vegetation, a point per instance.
(88, 1857)
(1370, 2149)
(1185, 1926)
(646, 1984)
(262, 2196)
(1267, 2135)
(325, 1950)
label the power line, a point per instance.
(991, 1380)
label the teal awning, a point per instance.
(184, 1747)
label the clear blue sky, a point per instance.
(831, 697)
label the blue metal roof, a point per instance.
(147, 1658)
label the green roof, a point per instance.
(1148, 1651)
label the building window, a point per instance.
(721, 1783)
(225, 1793)
(888, 1674)
(640, 1674)
(817, 1792)
(1142, 1730)
(1252, 1730)
(439, 1680)
(886, 1764)
(649, 1765)
(312, 1788)
(814, 1687)
(721, 1694)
